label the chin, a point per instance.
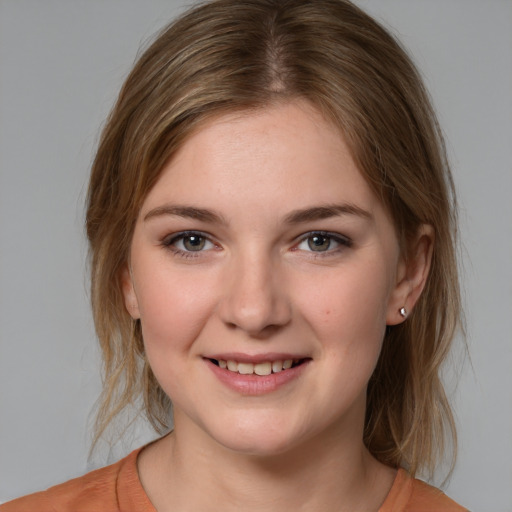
(262, 439)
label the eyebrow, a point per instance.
(325, 212)
(294, 217)
(189, 212)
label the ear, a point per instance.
(130, 298)
(412, 273)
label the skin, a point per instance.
(256, 287)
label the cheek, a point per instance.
(173, 312)
(173, 309)
(347, 311)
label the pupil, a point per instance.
(319, 243)
(194, 243)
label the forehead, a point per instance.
(284, 153)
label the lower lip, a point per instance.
(254, 385)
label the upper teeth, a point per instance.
(265, 368)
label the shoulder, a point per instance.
(425, 498)
(412, 495)
(104, 489)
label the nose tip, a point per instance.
(256, 302)
(258, 320)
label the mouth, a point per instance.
(262, 368)
(257, 375)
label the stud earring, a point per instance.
(403, 312)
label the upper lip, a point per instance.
(255, 358)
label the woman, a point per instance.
(271, 222)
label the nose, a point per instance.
(255, 300)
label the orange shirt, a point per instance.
(117, 488)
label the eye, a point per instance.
(190, 242)
(323, 242)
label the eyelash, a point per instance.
(343, 241)
(170, 243)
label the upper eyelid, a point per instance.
(168, 239)
(327, 234)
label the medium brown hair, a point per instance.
(234, 55)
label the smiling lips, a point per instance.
(262, 369)
(256, 375)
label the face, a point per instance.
(264, 272)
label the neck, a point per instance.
(329, 473)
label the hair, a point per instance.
(232, 55)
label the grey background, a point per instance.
(61, 64)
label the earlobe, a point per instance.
(412, 276)
(130, 298)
